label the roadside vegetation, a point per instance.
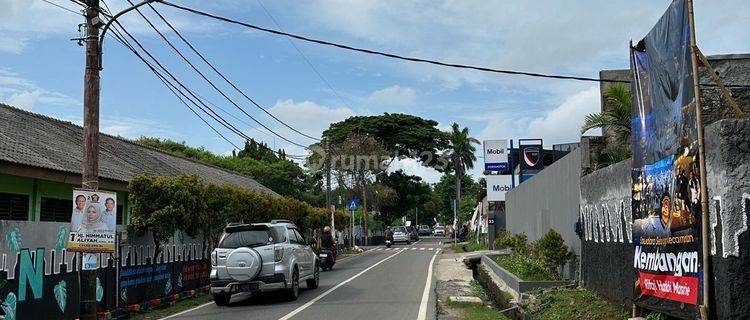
(570, 304)
(538, 261)
(484, 311)
(177, 307)
(473, 244)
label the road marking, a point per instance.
(186, 311)
(421, 248)
(314, 300)
(414, 248)
(422, 315)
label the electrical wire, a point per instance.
(406, 58)
(64, 8)
(177, 92)
(304, 56)
(213, 84)
(225, 78)
(380, 53)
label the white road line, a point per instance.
(314, 300)
(414, 248)
(421, 249)
(422, 315)
(186, 311)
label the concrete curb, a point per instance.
(516, 284)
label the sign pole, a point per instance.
(702, 164)
(512, 168)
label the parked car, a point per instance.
(424, 230)
(262, 257)
(413, 233)
(439, 231)
(400, 234)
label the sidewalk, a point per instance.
(453, 280)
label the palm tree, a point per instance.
(617, 119)
(461, 152)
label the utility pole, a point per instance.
(328, 174)
(90, 172)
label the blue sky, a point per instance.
(42, 71)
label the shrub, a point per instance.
(527, 267)
(518, 243)
(552, 248)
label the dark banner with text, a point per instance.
(666, 181)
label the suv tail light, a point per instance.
(213, 258)
(278, 253)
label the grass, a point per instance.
(526, 267)
(172, 309)
(471, 246)
(574, 303)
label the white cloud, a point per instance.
(17, 91)
(134, 128)
(393, 96)
(24, 100)
(559, 125)
(413, 167)
(305, 116)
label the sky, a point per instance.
(309, 86)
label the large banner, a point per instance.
(498, 186)
(92, 222)
(666, 181)
(495, 155)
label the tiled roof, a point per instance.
(40, 141)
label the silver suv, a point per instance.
(262, 257)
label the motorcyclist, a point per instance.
(389, 234)
(327, 242)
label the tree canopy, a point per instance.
(406, 135)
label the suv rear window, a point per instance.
(399, 229)
(251, 237)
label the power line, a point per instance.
(384, 54)
(64, 8)
(194, 95)
(177, 92)
(226, 79)
(211, 82)
(169, 85)
(304, 57)
(406, 58)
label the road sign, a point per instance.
(352, 204)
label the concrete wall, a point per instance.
(606, 247)
(548, 201)
(607, 251)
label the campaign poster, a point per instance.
(666, 181)
(93, 221)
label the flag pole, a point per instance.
(705, 307)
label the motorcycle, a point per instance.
(326, 259)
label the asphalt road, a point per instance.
(380, 283)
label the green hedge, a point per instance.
(185, 203)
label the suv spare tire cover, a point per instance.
(243, 264)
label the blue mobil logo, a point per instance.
(495, 151)
(497, 166)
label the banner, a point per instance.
(495, 155)
(92, 222)
(497, 187)
(666, 181)
(531, 157)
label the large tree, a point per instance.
(410, 193)
(400, 134)
(461, 152)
